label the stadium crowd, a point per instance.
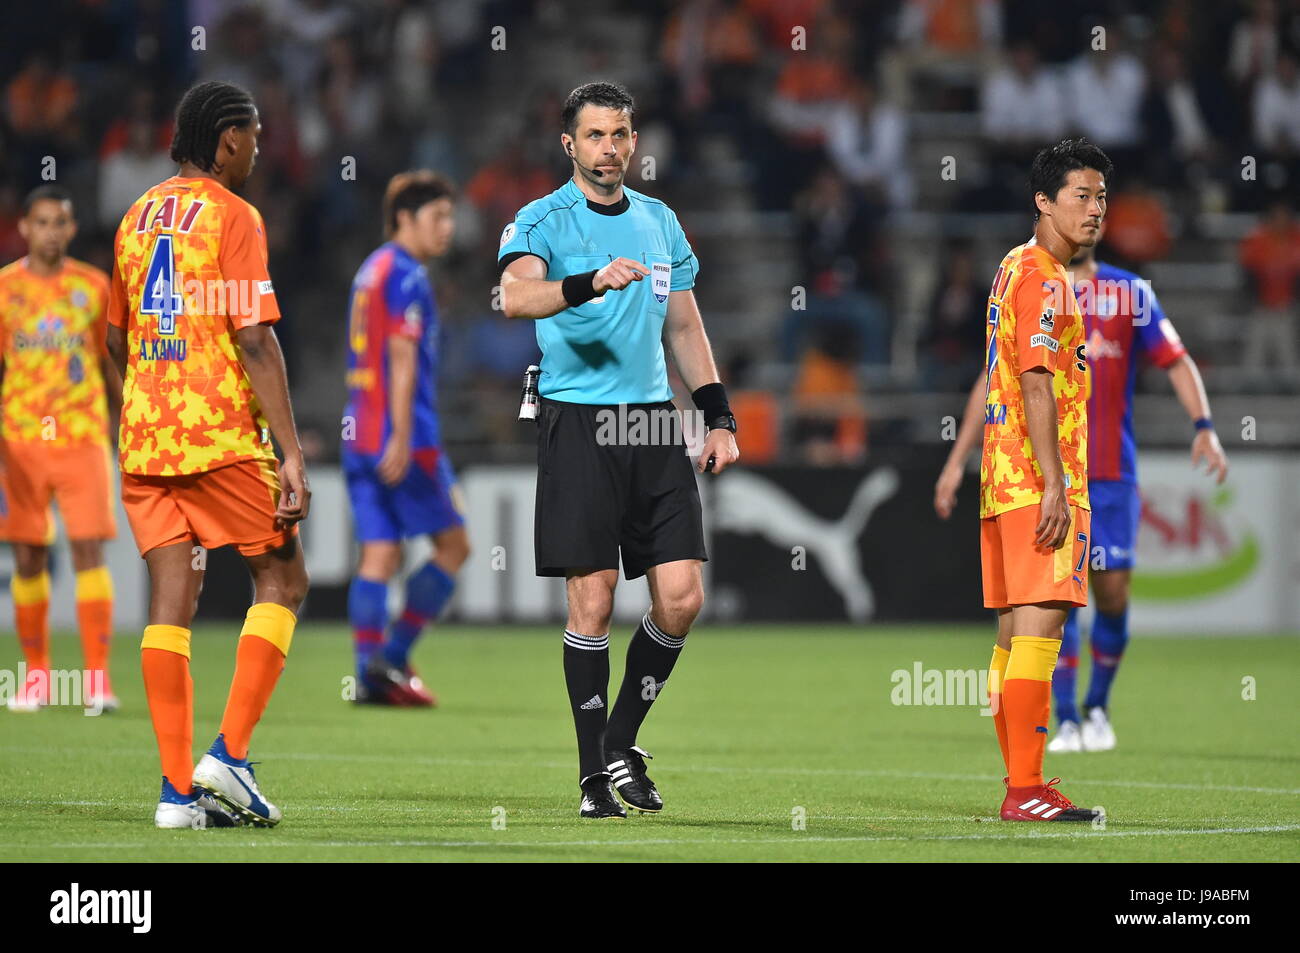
(823, 120)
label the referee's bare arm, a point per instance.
(689, 345)
(525, 292)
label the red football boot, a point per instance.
(1042, 802)
(417, 694)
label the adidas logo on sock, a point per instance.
(592, 703)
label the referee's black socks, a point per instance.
(651, 656)
(586, 672)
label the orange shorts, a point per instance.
(231, 505)
(78, 478)
(1018, 573)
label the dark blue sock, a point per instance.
(1067, 669)
(427, 591)
(368, 614)
(1109, 638)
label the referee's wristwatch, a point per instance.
(724, 422)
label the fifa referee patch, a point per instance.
(660, 280)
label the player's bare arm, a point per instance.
(968, 436)
(525, 292)
(112, 391)
(689, 346)
(117, 351)
(264, 363)
(1189, 387)
(396, 458)
(1040, 418)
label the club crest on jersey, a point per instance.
(660, 280)
(79, 299)
(507, 233)
(1047, 320)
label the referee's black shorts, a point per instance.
(597, 496)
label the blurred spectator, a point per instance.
(867, 141)
(1276, 109)
(413, 61)
(835, 233)
(1270, 256)
(1104, 90)
(40, 99)
(1137, 224)
(142, 107)
(309, 28)
(130, 172)
(1021, 106)
(948, 41)
(710, 48)
(1173, 119)
(1253, 47)
(830, 413)
(952, 347)
(757, 412)
(951, 27)
(504, 185)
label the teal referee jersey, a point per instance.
(608, 350)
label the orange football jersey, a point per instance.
(1033, 321)
(191, 269)
(53, 343)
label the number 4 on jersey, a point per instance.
(161, 295)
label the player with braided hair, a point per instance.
(190, 314)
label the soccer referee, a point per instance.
(607, 273)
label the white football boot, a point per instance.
(1098, 735)
(230, 781)
(1067, 738)
(197, 811)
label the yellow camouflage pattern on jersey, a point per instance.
(1033, 319)
(188, 406)
(53, 331)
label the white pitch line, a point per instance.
(793, 838)
(699, 769)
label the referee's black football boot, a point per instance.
(627, 769)
(598, 800)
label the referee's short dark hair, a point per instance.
(46, 193)
(204, 113)
(1052, 164)
(411, 191)
(609, 95)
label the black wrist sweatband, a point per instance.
(711, 400)
(579, 289)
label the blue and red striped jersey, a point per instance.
(391, 295)
(1123, 322)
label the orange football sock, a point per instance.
(1027, 701)
(31, 595)
(997, 675)
(95, 619)
(165, 662)
(263, 646)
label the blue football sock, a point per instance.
(427, 591)
(368, 614)
(1067, 669)
(1109, 638)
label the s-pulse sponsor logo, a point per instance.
(77, 906)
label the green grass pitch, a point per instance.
(757, 728)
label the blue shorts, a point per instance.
(1116, 507)
(425, 503)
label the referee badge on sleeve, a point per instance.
(660, 280)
